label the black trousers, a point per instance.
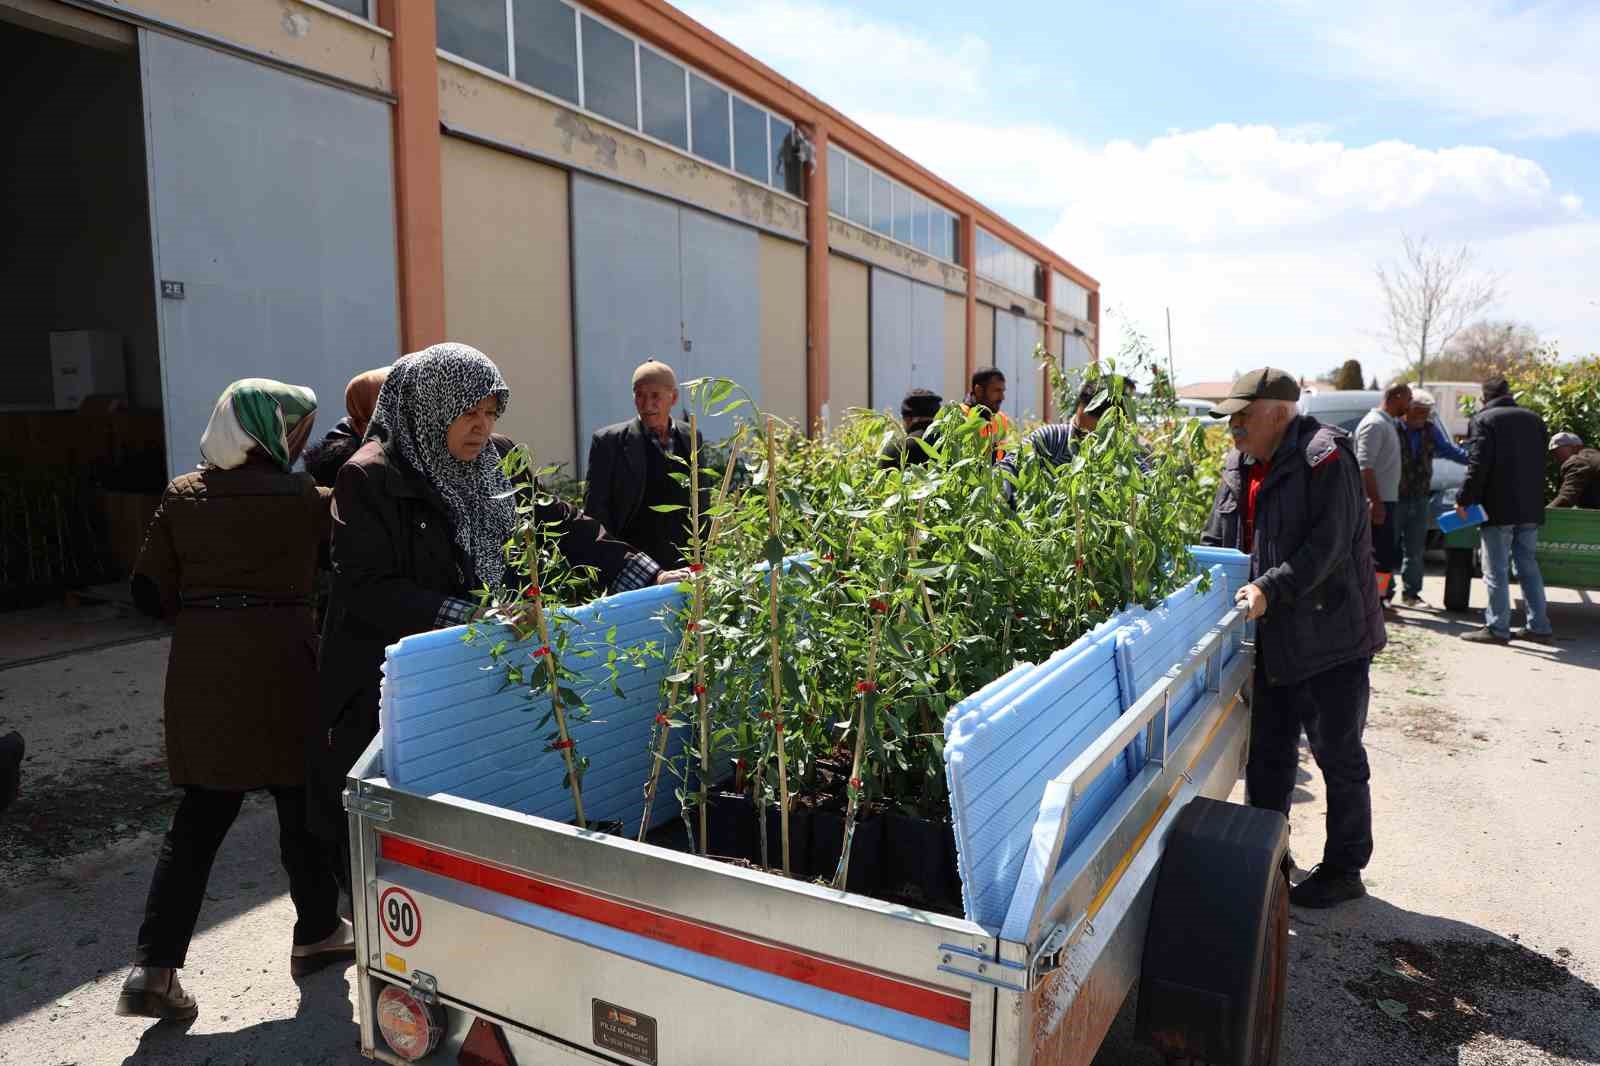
(184, 866)
(1386, 545)
(1332, 709)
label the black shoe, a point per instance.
(1327, 886)
(1533, 638)
(1411, 599)
(1485, 635)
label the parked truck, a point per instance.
(495, 932)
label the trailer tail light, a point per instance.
(485, 1046)
(411, 1027)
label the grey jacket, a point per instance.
(1312, 554)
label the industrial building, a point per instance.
(302, 189)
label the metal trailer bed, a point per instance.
(560, 945)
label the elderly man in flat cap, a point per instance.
(632, 466)
(1291, 497)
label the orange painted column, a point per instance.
(1049, 339)
(817, 280)
(969, 259)
(419, 200)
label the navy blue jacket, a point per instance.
(1312, 553)
(1508, 446)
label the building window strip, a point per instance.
(767, 170)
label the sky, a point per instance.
(1246, 164)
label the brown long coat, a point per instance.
(240, 679)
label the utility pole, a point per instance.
(1171, 377)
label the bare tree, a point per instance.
(1494, 344)
(1430, 296)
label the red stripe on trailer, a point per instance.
(946, 1008)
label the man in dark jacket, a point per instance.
(917, 412)
(1580, 472)
(632, 468)
(1291, 497)
(1507, 445)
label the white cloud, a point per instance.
(1530, 67)
(849, 60)
(1261, 240)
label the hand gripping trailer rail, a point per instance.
(497, 937)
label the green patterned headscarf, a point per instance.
(259, 413)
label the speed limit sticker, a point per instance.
(400, 917)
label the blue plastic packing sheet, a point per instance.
(452, 725)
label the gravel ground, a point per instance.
(1477, 946)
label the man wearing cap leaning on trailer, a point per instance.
(1580, 472)
(631, 468)
(1291, 497)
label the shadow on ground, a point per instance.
(1371, 984)
(280, 1040)
(78, 925)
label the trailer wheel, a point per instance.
(1215, 971)
(1457, 578)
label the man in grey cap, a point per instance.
(1580, 472)
(1291, 497)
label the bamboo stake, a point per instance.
(694, 619)
(865, 689)
(555, 688)
(776, 701)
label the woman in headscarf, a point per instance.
(229, 557)
(324, 458)
(421, 517)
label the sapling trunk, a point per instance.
(775, 701)
(699, 606)
(866, 689)
(566, 743)
(694, 626)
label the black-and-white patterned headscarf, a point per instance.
(424, 393)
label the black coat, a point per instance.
(1507, 447)
(324, 458)
(1312, 552)
(395, 562)
(618, 468)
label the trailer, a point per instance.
(487, 934)
(1568, 554)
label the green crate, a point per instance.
(1569, 547)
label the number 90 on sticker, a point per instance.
(400, 917)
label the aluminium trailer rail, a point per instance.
(586, 948)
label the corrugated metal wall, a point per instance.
(272, 204)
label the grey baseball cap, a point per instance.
(1561, 440)
(1268, 383)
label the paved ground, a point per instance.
(1479, 944)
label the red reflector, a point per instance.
(485, 1046)
(411, 1027)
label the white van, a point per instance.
(1447, 403)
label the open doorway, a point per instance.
(82, 458)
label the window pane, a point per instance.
(666, 107)
(547, 47)
(953, 233)
(355, 7)
(475, 30)
(709, 106)
(749, 140)
(859, 181)
(902, 214)
(608, 74)
(919, 223)
(836, 181)
(882, 215)
(784, 176)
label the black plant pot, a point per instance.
(799, 841)
(866, 851)
(730, 826)
(918, 860)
